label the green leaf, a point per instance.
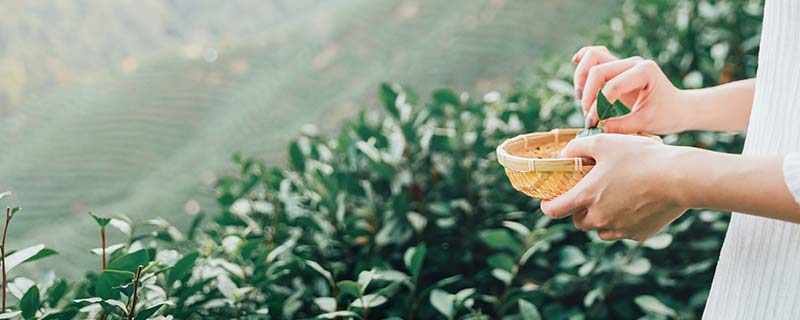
(319, 269)
(369, 301)
(502, 261)
(108, 281)
(102, 221)
(349, 287)
(29, 303)
(148, 312)
(296, 157)
(444, 96)
(182, 268)
(339, 314)
(443, 302)
(500, 239)
(26, 255)
(528, 311)
(650, 304)
(327, 304)
(56, 292)
(588, 132)
(413, 259)
(5, 195)
(658, 242)
(111, 304)
(10, 315)
(637, 267)
(571, 256)
(607, 110)
(389, 97)
(130, 262)
(14, 211)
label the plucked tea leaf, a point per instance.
(606, 109)
(585, 132)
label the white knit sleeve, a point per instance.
(791, 174)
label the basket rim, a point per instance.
(522, 164)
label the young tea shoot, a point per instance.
(605, 110)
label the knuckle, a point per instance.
(637, 58)
(578, 225)
(603, 223)
(610, 87)
(649, 65)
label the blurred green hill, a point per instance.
(134, 107)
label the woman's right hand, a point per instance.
(656, 105)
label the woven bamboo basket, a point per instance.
(532, 165)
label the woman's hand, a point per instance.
(631, 193)
(656, 105)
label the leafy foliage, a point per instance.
(404, 213)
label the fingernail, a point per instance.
(575, 57)
(578, 93)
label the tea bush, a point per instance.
(404, 213)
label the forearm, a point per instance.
(722, 108)
(747, 184)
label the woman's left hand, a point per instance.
(631, 193)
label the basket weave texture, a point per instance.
(532, 165)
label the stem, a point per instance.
(103, 239)
(132, 312)
(3, 254)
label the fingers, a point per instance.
(584, 147)
(638, 77)
(609, 235)
(600, 74)
(592, 56)
(579, 55)
(633, 122)
(579, 220)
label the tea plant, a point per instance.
(403, 213)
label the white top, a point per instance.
(758, 274)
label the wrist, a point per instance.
(688, 103)
(683, 172)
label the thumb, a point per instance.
(629, 123)
(580, 147)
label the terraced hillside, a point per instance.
(143, 130)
